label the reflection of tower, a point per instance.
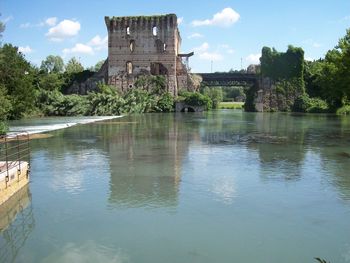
(16, 224)
(146, 162)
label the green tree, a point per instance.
(99, 65)
(51, 81)
(74, 66)
(16, 76)
(52, 64)
(215, 94)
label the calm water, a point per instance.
(223, 186)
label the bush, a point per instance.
(345, 110)
(215, 94)
(165, 103)
(318, 105)
(54, 103)
(312, 105)
(104, 104)
(301, 103)
(3, 128)
(197, 99)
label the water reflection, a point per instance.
(88, 251)
(146, 159)
(16, 224)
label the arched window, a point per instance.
(164, 47)
(129, 67)
(128, 31)
(132, 45)
(155, 31)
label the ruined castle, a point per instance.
(142, 45)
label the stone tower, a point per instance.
(145, 45)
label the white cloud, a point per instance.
(204, 54)
(51, 21)
(225, 18)
(25, 25)
(230, 51)
(213, 56)
(253, 58)
(309, 59)
(25, 50)
(180, 20)
(202, 48)
(312, 43)
(195, 35)
(65, 29)
(7, 19)
(98, 43)
(79, 48)
(226, 48)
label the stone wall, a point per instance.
(143, 45)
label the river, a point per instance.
(221, 186)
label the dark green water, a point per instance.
(223, 186)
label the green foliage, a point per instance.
(282, 65)
(74, 66)
(165, 103)
(153, 84)
(197, 99)
(215, 94)
(16, 77)
(52, 64)
(104, 104)
(138, 101)
(312, 105)
(98, 65)
(344, 110)
(5, 103)
(54, 103)
(233, 94)
(51, 81)
(3, 128)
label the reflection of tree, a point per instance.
(17, 222)
(145, 160)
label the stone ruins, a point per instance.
(142, 45)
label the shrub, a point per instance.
(313, 105)
(345, 110)
(165, 103)
(301, 103)
(318, 105)
(3, 128)
(215, 94)
(197, 99)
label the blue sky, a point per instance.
(224, 34)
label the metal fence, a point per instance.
(14, 150)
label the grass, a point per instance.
(231, 105)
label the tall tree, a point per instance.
(16, 79)
(52, 64)
(74, 66)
